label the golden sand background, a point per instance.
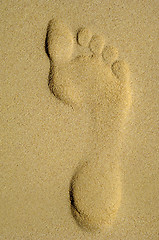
(43, 140)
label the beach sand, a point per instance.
(59, 146)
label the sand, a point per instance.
(79, 126)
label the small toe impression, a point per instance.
(84, 37)
(110, 54)
(59, 41)
(120, 69)
(96, 44)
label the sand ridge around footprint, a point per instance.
(98, 82)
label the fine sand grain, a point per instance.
(79, 120)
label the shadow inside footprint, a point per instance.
(46, 43)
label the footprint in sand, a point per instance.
(97, 81)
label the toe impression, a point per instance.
(84, 37)
(96, 44)
(110, 54)
(59, 41)
(120, 69)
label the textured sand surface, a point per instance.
(43, 140)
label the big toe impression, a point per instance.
(59, 41)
